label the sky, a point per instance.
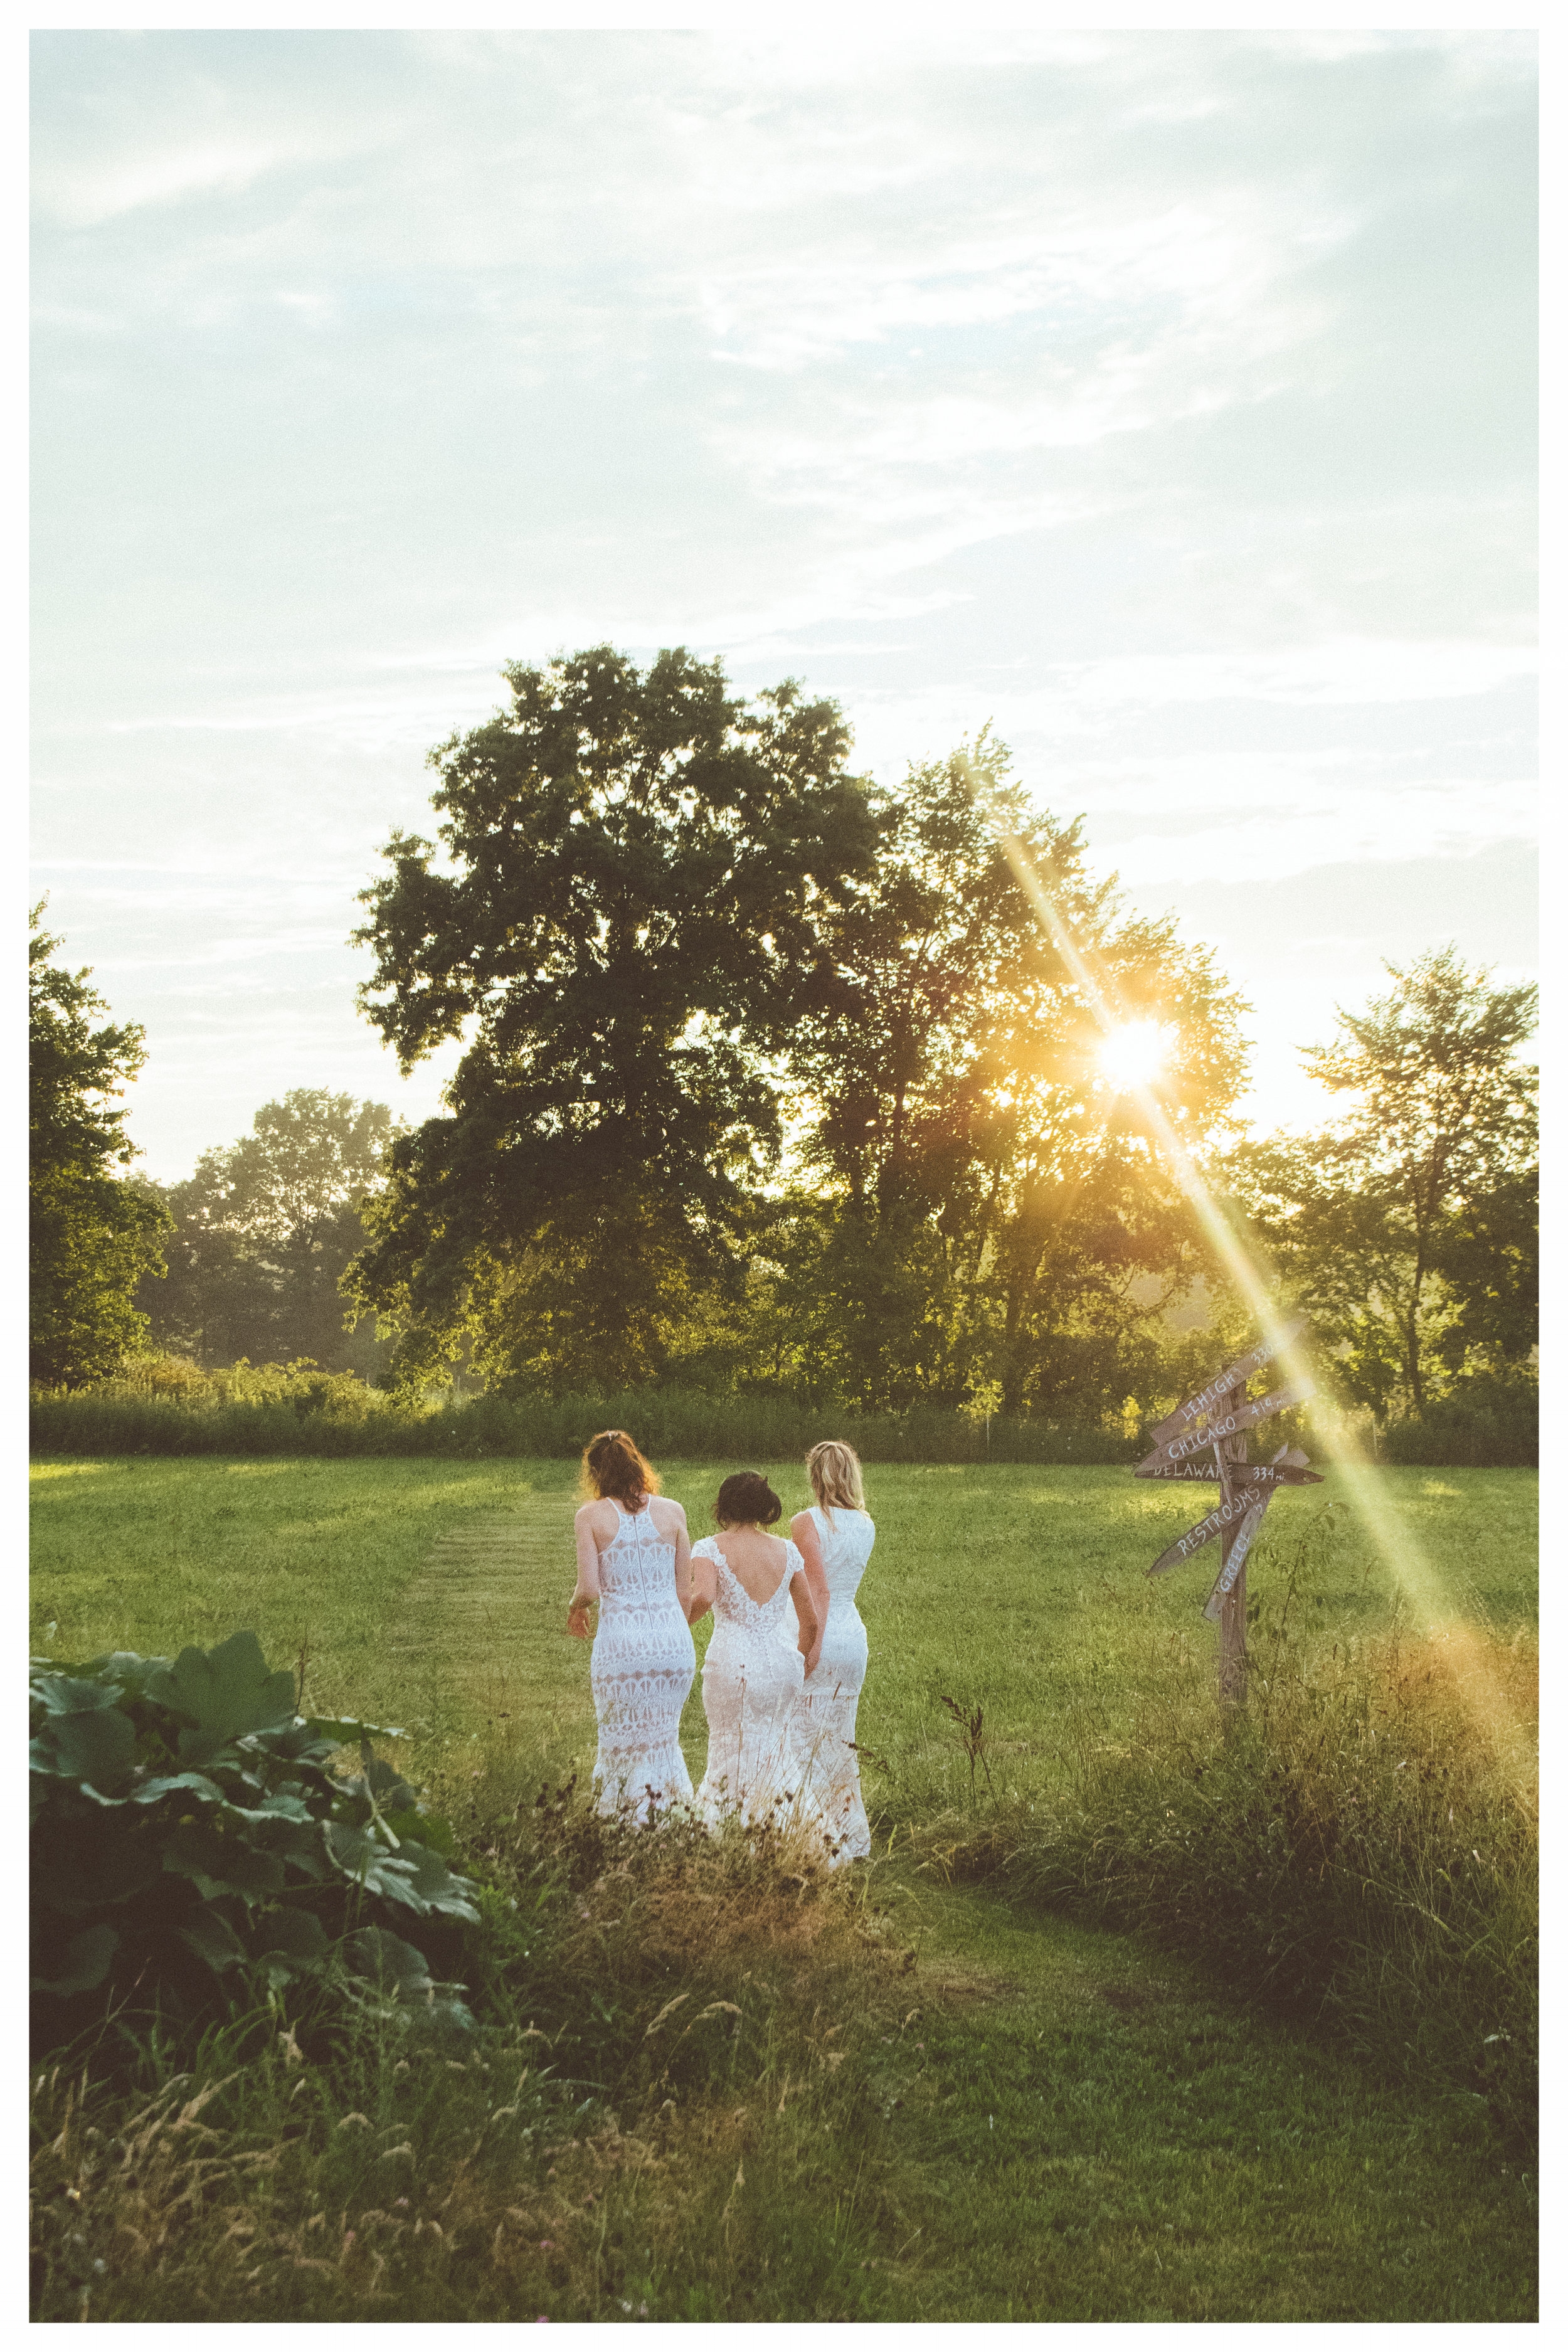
(1165, 400)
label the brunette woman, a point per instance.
(751, 1675)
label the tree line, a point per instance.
(774, 1078)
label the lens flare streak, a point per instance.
(1417, 1579)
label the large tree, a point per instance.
(93, 1233)
(1408, 1229)
(997, 1208)
(624, 903)
(263, 1230)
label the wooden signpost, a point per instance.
(1205, 1438)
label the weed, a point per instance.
(970, 1722)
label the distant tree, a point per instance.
(633, 872)
(263, 1230)
(1409, 1229)
(996, 1208)
(94, 1235)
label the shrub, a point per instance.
(1484, 1423)
(192, 1847)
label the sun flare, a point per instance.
(1134, 1054)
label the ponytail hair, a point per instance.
(613, 1467)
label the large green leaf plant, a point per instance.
(193, 1845)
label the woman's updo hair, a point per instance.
(834, 1470)
(612, 1466)
(744, 1498)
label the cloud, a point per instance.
(84, 197)
(1345, 670)
(1337, 827)
(1160, 396)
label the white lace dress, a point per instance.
(751, 1682)
(822, 1730)
(644, 1660)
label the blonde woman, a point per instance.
(835, 1540)
(634, 1558)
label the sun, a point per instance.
(1134, 1054)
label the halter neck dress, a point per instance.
(823, 1730)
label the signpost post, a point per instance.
(1206, 1438)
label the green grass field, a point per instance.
(1019, 1589)
(1071, 2123)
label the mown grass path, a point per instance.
(1077, 2128)
(476, 1644)
(1096, 2132)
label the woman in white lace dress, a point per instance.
(750, 1677)
(634, 1558)
(835, 1539)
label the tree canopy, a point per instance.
(619, 923)
(774, 1077)
(994, 1207)
(262, 1232)
(747, 1037)
(93, 1235)
(1409, 1228)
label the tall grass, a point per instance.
(667, 2114)
(1356, 1848)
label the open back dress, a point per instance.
(751, 1682)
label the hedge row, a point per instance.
(1462, 1434)
(673, 1423)
(1497, 1430)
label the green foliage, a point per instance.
(1408, 1231)
(262, 1232)
(93, 1235)
(715, 942)
(192, 1844)
(271, 1411)
(1483, 1419)
(990, 1205)
(627, 908)
(163, 1405)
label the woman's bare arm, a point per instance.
(588, 1574)
(810, 1623)
(682, 1561)
(704, 1581)
(804, 1538)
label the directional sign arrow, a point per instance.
(1235, 1376)
(1245, 1474)
(1246, 1416)
(1223, 1516)
(1237, 1556)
